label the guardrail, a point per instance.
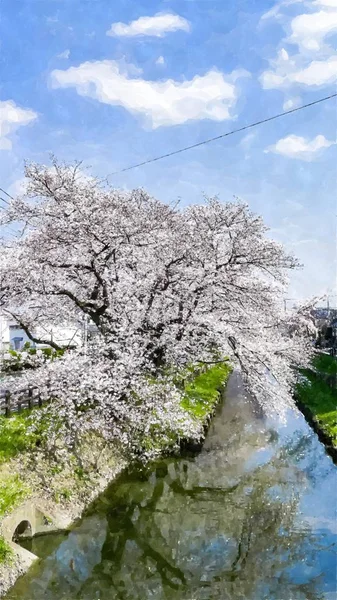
(15, 403)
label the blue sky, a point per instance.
(115, 83)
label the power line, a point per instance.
(7, 194)
(223, 135)
(2, 208)
(10, 229)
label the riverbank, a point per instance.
(64, 485)
(316, 397)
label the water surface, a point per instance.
(252, 517)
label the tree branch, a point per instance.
(31, 336)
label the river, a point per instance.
(252, 517)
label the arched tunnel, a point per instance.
(23, 530)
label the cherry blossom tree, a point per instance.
(163, 286)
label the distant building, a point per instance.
(324, 313)
(17, 337)
(13, 337)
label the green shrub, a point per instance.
(63, 494)
(21, 363)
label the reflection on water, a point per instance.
(252, 517)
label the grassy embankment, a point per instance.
(14, 439)
(201, 392)
(318, 394)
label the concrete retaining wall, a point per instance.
(28, 520)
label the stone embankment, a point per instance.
(45, 511)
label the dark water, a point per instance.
(252, 517)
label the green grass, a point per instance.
(202, 391)
(6, 552)
(15, 436)
(201, 388)
(12, 491)
(325, 364)
(319, 396)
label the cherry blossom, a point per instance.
(163, 286)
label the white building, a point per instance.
(13, 337)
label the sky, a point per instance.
(114, 83)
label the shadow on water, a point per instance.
(252, 517)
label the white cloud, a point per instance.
(5, 143)
(156, 26)
(12, 117)
(326, 3)
(302, 148)
(248, 140)
(283, 55)
(309, 30)
(316, 73)
(64, 54)
(276, 11)
(246, 144)
(209, 96)
(54, 19)
(292, 103)
(314, 63)
(303, 242)
(160, 60)
(294, 205)
(18, 187)
(84, 176)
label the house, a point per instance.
(13, 337)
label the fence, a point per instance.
(15, 403)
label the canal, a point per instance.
(252, 517)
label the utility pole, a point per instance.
(85, 334)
